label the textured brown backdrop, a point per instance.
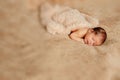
(28, 52)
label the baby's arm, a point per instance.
(75, 37)
(78, 34)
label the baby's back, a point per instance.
(64, 19)
(70, 17)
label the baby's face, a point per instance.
(92, 39)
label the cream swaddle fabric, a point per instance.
(62, 19)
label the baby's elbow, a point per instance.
(75, 37)
(70, 36)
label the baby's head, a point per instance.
(95, 36)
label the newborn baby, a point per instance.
(79, 26)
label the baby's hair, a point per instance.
(99, 30)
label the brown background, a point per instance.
(28, 52)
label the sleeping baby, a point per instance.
(78, 26)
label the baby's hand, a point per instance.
(76, 38)
(78, 34)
